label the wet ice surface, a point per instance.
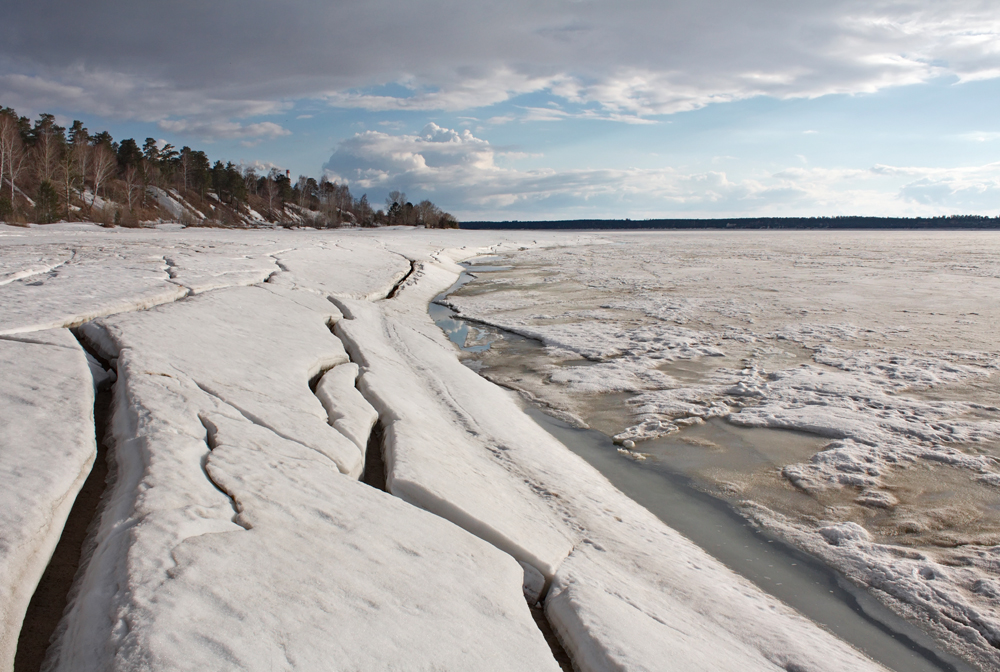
(797, 579)
(839, 387)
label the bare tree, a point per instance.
(48, 147)
(364, 210)
(396, 198)
(428, 214)
(133, 184)
(82, 151)
(250, 179)
(12, 154)
(303, 187)
(185, 165)
(68, 179)
(103, 166)
(8, 130)
(271, 189)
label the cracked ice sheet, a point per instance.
(46, 452)
(254, 350)
(436, 454)
(633, 593)
(88, 286)
(60, 275)
(174, 582)
(202, 271)
(333, 267)
(388, 586)
(346, 408)
(63, 277)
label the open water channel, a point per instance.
(798, 579)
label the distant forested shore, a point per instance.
(50, 173)
(951, 222)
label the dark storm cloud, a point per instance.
(225, 59)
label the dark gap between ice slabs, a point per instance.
(48, 602)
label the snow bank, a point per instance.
(46, 452)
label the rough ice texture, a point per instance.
(202, 557)
(954, 593)
(328, 573)
(436, 456)
(46, 451)
(891, 359)
(233, 535)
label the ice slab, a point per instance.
(46, 452)
(389, 586)
(224, 545)
(335, 269)
(346, 408)
(680, 614)
(437, 456)
(253, 350)
(73, 294)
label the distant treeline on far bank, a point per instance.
(950, 222)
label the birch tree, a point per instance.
(272, 189)
(133, 184)
(103, 166)
(12, 153)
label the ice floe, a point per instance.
(892, 363)
(46, 451)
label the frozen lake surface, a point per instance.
(303, 473)
(839, 389)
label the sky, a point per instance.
(547, 109)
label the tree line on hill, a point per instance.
(50, 173)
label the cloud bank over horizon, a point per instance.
(269, 76)
(457, 166)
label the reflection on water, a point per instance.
(466, 336)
